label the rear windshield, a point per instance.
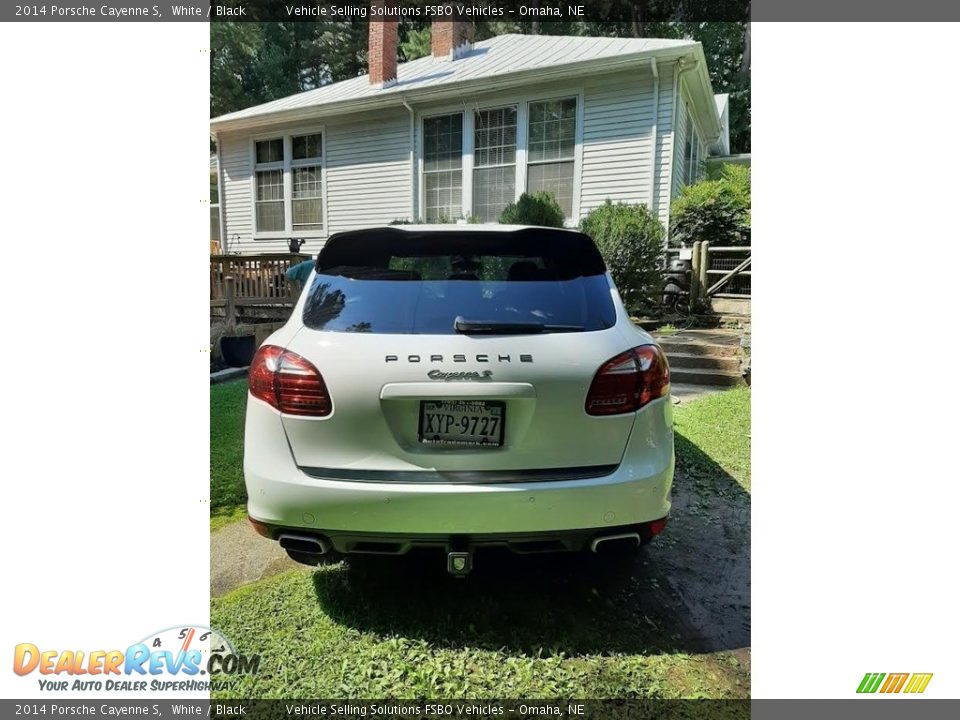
(437, 283)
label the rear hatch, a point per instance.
(466, 350)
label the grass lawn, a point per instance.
(332, 634)
(228, 496)
(518, 627)
(715, 430)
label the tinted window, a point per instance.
(393, 281)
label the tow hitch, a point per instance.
(459, 563)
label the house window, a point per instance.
(494, 161)
(289, 184)
(551, 140)
(690, 151)
(307, 184)
(443, 167)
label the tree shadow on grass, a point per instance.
(686, 592)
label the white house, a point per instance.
(465, 131)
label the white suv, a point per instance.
(458, 386)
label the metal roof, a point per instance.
(499, 56)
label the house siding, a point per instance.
(617, 141)
(368, 172)
(368, 178)
(235, 195)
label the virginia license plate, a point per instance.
(462, 422)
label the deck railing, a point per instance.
(258, 279)
(722, 272)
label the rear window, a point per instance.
(442, 282)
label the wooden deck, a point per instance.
(259, 280)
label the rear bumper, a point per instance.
(281, 495)
(402, 543)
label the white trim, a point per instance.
(414, 172)
(655, 73)
(466, 193)
(673, 150)
(221, 205)
(520, 155)
(286, 167)
(577, 163)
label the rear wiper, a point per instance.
(494, 327)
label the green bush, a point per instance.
(716, 209)
(538, 209)
(630, 239)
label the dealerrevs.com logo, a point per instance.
(910, 683)
(182, 658)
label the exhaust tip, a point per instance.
(304, 543)
(605, 542)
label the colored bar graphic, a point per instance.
(870, 682)
(895, 682)
(918, 682)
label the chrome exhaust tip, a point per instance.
(304, 543)
(622, 537)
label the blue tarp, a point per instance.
(300, 272)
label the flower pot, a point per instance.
(237, 350)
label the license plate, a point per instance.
(473, 423)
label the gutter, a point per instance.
(413, 162)
(653, 137)
(387, 98)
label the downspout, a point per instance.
(653, 136)
(220, 205)
(413, 163)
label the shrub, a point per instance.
(715, 209)
(630, 239)
(538, 209)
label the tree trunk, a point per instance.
(745, 60)
(637, 25)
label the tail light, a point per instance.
(288, 382)
(629, 381)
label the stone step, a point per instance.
(702, 376)
(730, 363)
(682, 346)
(734, 321)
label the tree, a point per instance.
(414, 41)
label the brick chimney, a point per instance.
(451, 38)
(383, 52)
